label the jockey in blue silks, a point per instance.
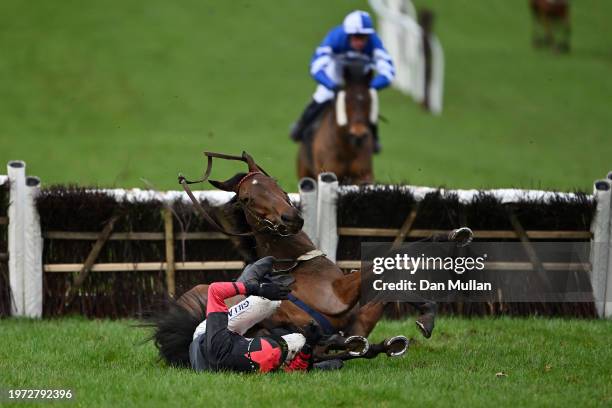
(354, 39)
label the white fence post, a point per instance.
(33, 243)
(403, 38)
(16, 214)
(327, 230)
(608, 290)
(307, 188)
(601, 244)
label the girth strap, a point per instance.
(318, 317)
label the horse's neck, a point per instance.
(290, 247)
(336, 142)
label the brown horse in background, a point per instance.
(343, 142)
(264, 210)
(551, 24)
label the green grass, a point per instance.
(548, 362)
(109, 92)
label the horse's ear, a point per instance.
(228, 185)
(253, 167)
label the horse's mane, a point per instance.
(356, 72)
(233, 212)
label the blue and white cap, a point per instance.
(358, 22)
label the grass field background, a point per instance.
(110, 92)
(547, 362)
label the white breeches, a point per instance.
(252, 310)
(322, 94)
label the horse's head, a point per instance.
(266, 206)
(356, 104)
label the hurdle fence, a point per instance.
(27, 239)
(404, 39)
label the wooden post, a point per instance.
(406, 227)
(526, 243)
(170, 267)
(401, 236)
(90, 261)
(538, 267)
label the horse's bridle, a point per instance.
(262, 224)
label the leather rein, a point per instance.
(262, 223)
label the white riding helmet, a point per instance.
(358, 22)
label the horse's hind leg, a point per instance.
(538, 31)
(366, 318)
(369, 314)
(392, 347)
(564, 29)
(426, 320)
(194, 300)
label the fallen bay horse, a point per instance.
(551, 24)
(343, 141)
(268, 215)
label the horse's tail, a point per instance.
(173, 331)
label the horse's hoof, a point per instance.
(396, 346)
(357, 346)
(425, 323)
(462, 236)
(426, 333)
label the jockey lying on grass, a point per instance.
(218, 342)
(354, 39)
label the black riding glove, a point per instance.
(256, 271)
(271, 291)
(313, 334)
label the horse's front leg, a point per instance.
(393, 347)
(369, 314)
(358, 347)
